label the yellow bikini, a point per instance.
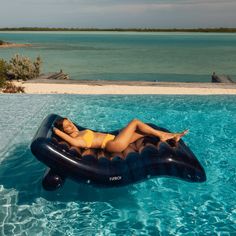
(108, 137)
(89, 136)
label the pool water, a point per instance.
(159, 206)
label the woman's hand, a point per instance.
(54, 129)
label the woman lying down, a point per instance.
(120, 144)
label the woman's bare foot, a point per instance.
(180, 135)
(175, 136)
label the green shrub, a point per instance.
(2, 81)
(1, 42)
(3, 72)
(22, 68)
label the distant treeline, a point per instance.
(205, 30)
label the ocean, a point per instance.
(181, 57)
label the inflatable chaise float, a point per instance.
(153, 160)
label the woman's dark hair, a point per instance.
(59, 123)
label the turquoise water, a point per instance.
(130, 56)
(160, 206)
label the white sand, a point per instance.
(172, 88)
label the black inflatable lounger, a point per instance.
(153, 160)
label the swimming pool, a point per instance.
(161, 206)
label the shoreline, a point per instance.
(44, 86)
(138, 29)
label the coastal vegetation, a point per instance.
(3, 72)
(22, 68)
(18, 68)
(204, 30)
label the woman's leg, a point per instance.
(143, 129)
(133, 131)
(136, 135)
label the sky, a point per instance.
(118, 13)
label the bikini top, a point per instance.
(88, 137)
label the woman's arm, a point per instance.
(72, 141)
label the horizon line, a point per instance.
(144, 29)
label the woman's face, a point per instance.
(69, 127)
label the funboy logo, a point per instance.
(115, 178)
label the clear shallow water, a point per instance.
(130, 56)
(160, 206)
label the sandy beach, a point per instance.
(125, 87)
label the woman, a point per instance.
(135, 130)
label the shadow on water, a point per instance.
(21, 171)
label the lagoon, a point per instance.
(181, 57)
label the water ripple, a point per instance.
(160, 206)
